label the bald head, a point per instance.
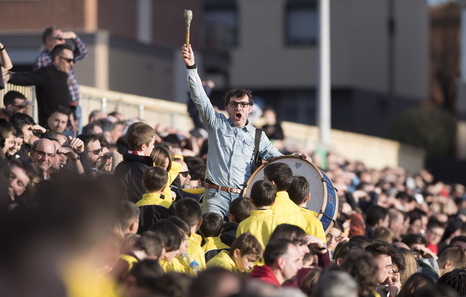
(42, 153)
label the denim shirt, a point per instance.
(231, 148)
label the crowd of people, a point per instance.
(122, 208)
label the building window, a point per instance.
(301, 22)
(221, 25)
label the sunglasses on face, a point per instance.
(96, 152)
(67, 60)
(184, 173)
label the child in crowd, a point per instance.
(147, 246)
(239, 209)
(211, 228)
(129, 217)
(299, 193)
(152, 206)
(281, 175)
(162, 157)
(262, 222)
(172, 239)
(189, 210)
(244, 251)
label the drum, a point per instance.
(324, 199)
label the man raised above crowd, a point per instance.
(51, 82)
(51, 37)
(231, 141)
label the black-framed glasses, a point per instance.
(185, 173)
(242, 104)
(43, 154)
(96, 152)
(67, 59)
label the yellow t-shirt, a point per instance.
(314, 226)
(261, 224)
(83, 280)
(287, 211)
(174, 265)
(153, 199)
(223, 260)
(130, 259)
(172, 174)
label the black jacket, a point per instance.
(51, 89)
(131, 171)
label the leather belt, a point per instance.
(225, 189)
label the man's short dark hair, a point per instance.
(375, 213)
(61, 109)
(59, 48)
(241, 209)
(238, 93)
(348, 248)
(411, 239)
(292, 232)
(454, 254)
(87, 139)
(154, 178)
(151, 243)
(434, 223)
(21, 120)
(10, 96)
(362, 240)
(263, 193)
(280, 173)
(127, 213)
(381, 248)
(299, 189)
(170, 233)
(212, 224)
(275, 249)
(189, 210)
(48, 33)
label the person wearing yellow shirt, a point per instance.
(172, 239)
(244, 251)
(147, 246)
(163, 158)
(210, 229)
(281, 175)
(299, 193)
(262, 222)
(189, 210)
(152, 206)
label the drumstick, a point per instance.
(188, 16)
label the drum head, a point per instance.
(299, 167)
(320, 186)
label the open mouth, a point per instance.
(238, 116)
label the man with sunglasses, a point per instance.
(51, 82)
(231, 141)
(51, 37)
